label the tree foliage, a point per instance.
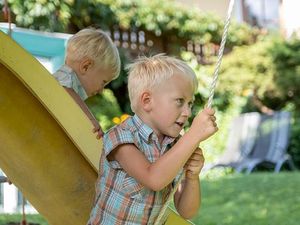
(98, 106)
(159, 17)
(268, 71)
(286, 59)
(50, 15)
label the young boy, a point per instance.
(92, 61)
(143, 156)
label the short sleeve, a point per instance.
(115, 137)
(63, 78)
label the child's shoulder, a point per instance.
(120, 134)
(64, 76)
(124, 127)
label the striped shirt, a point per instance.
(120, 199)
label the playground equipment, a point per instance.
(47, 146)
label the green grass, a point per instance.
(255, 199)
(6, 218)
(258, 198)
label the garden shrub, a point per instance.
(269, 69)
(104, 107)
(160, 17)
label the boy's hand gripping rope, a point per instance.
(210, 98)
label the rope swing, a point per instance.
(210, 98)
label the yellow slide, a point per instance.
(47, 148)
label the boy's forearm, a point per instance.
(167, 167)
(188, 199)
(171, 162)
(80, 102)
(162, 172)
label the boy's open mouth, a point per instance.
(180, 124)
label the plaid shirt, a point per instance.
(68, 78)
(120, 199)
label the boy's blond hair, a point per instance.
(148, 72)
(96, 45)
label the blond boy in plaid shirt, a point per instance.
(92, 61)
(143, 156)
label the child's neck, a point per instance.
(73, 65)
(149, 123)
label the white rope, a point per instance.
(220, 55)
(210, 98)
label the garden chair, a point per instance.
(241, 140)
(271, 144)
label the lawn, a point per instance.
(255, 199)
(258, 198)
(6, 218)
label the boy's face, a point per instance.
(171, 104)
(95, 79)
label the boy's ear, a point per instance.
(85, 65)
(146, 100)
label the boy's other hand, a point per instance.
(194, 165)
(204, 124)
(97, 129)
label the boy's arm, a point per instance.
(158, 175)
(155, 175)
(97, 129)
(188, 196)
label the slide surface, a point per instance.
(47, 146)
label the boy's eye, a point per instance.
(179, 101)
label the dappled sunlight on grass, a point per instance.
(238, 199)
(258, 198)
(216, 173)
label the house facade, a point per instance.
(11, 199)
(274, 15)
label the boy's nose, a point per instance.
(187, 111)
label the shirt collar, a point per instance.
(66, 68)
(142, 128)
(76, 84)
(147, 132)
